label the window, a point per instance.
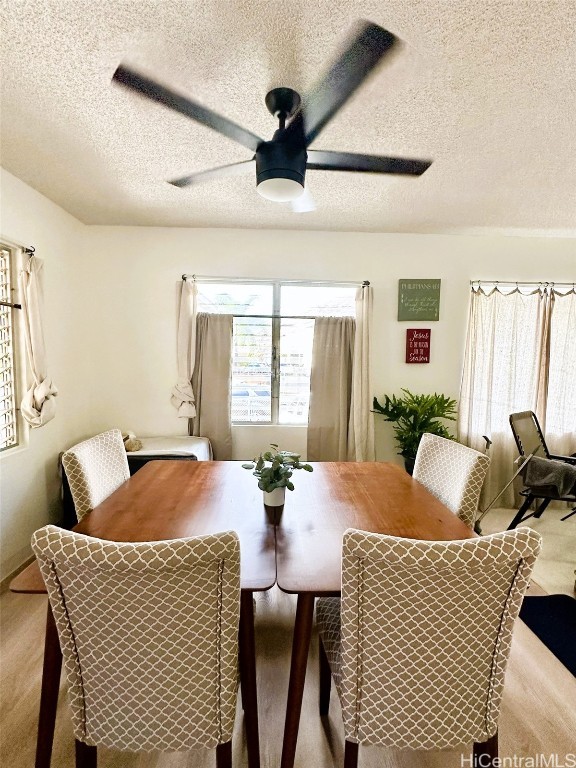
(273, 331)
(520, 356)
(8, 412)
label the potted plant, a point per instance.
(412, 416)
(274, 469)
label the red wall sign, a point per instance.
(418, 345)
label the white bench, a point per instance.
(178, 447)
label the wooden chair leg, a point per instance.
(486, 752)
(325, 679)
(86, 756)
(350, 754)
(224, 755)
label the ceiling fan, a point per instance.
(282, 162)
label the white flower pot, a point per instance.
(275, 498)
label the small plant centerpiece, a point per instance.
(274, 469)
(412, 416)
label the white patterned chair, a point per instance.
(453, 473)
(419, 642)
(149, 636)
(95, 468)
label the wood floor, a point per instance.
(538, 712)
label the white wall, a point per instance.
(111, 318)
(135, 271)
(30, 485)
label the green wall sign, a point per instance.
(419, 299)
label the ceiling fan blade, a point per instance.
(361, 55)
(234, 169)
(136, 81)
(319, 160)
(304, 204)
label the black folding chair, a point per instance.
(530, 442)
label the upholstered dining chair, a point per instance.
(453, 473)
(149, 637)
(419, 641)
(95, 468)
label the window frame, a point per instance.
(16, 364)
(276, 318)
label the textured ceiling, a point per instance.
(486, 88)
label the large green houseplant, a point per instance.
(412, 416)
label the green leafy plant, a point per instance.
(413, 415)
(274, 468)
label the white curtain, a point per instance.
(513, 362)
(361, 431)
(182, 394)
(211, 381)
(38, 406)
(330, 389)
(560, 426)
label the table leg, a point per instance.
(300, 648)
(247, 653)
(49, 694)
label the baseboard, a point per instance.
(5, 583)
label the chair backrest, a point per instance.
(95, 468)
(149, 635)
(453, 473)
(528, 435)
(426, 634)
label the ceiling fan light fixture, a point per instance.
(280, 170)
(280, 190)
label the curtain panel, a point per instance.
(340, 422)
(330, 389)
(182, 393)
(560, 423)
(211, 382)
(38, 405)
(361, 436)
(519, 356)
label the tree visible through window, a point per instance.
(273, 331)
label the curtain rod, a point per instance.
(284, 317)
(212, 279)
(518, 283)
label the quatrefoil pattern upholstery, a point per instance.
(453, 473)
(95, 468)
(419, 642)
(149, 636)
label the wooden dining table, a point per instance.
(168, 500)
(371, 496)
(299, 549)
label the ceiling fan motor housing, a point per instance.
(280, 160)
